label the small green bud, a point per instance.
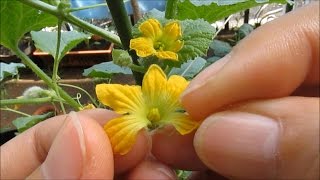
(38, 92)
(121, 58)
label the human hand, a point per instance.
(260, 106)
(74, 146)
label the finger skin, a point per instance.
(296, 148)
(176, 150)
(151, 169)
(271, 62)
(31, 147)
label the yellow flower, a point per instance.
(88, 106)
(162, 42)
(151, 106)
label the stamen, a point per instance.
(154, 115)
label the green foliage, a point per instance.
(121, 57)
(9, 69)
(47, 41)
(213, 12)
(105, 70)
(220, 48)
(24, 123)
(18, 19)
(196, 35)
(244, 31)
(190, 68)
(183, 175)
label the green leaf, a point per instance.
(24, 123)
(105, 70)
(196, 35)
(189, 69)
(220, 48)
(9, 69)
(211, 60)
(213, 12)
(47, 41)
(244, 31)
(121, 57)
(18, 19)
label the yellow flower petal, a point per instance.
(183, 123)
(167, 55)
(172, 31)
(121, 98)
(88, 106)
(151, 28)
(175, 46)
(175, 86)
(122, 132)
(143, 46)
(154, 85)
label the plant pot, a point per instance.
(83, 55)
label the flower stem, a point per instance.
(123, 25)
(88, 7)
(7, 102)
(26, 60)
(171, 9)
(15, 111)
(137, 68)
(74, 20)
(56, 63)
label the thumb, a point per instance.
(270, 139)
(71, 155)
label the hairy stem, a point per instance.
(26, 60)
(88, 7)
(74, 20)
(7, 102)
(123, 25)
(171, 9)
(56, 63)
(15, 111)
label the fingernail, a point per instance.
(239, 144)
(66, 155)
(206, 74)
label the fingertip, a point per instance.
(238, 144)
(152, 169)
(176, 150)
(99, 114)
(137, 154)
(99, 155)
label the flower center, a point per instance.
(153, 115)
(159, 45)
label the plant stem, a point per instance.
(15, 111)
(26, 60)
(137, 68)
(74, 20)
(123, 25)
(87, 7)
(7, 102)
(171, 9)
(56, 63)
(42, 6)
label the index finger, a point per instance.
(272, 62)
